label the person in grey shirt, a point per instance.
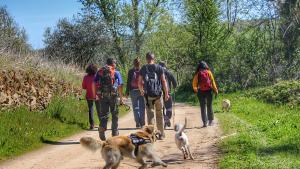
(171, 82)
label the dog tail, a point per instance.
(91, 143)
(182, 129)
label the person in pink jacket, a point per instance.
(91, 98)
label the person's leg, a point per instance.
(98, 108)
(210, 113)
(168, 115)
(158, 103)
(150, 111)
(202, 100)
(114, 115)
(91, 113)
(103, 117)
(141, 105)
(135, 106)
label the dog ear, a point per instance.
(149, 129)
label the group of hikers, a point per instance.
(149, 87)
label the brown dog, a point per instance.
(136, 146)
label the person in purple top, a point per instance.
(109, 86)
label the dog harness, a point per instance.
(137, 141)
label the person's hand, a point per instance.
(167, 96)
(142, 92)
(216, 93)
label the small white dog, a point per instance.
(226, 104)
(182, 141)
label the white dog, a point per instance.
(182, 141)
(225, 104)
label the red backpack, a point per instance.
(204, 82)
(135, 79)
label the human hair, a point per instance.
(110, 61)
(150, 56)
(137, 62)
(91, 69)
(202, 65)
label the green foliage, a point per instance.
(284, 92)
(81, 41)
(260, 135)
(12, 38)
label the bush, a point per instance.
(284, 92)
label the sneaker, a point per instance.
(210, 123)
(91, 127)
(115, 133)
(101, 133)
(205, 124)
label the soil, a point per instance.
(68, 153)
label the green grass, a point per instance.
(267, 136)
(22, 130)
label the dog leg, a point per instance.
(116, 165)
(140, 160)
(189, 152)
(183, 152)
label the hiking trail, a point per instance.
(69, 154)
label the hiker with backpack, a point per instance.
(171, 82)
(204, 85)
(91, 98)
(152, 83)
(110, 85)
(132, 89)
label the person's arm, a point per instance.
(213, 82)
(83, 83)
(165, 86)
(195, 83)
(140, 85)
(120, 86)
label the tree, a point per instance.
(127, 21)
(12, 38)
(203, 23)
(82, 41)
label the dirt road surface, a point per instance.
(68, 153)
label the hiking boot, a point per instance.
(210, 123)
(167, 124)
(161, 136)
(138, 126)
(101, 133)
(115, 133)
(91, 127)
(204, 124)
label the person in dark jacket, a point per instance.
(132, 89)
(171, 82)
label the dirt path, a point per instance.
(69, 154)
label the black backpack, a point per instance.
(106, 81)
(153, 87)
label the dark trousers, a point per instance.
(168, 109)
(205, 99)
(90, 104)
(109, 104)
(138, 105)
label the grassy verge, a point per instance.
(22, 130)
(267, 135)
(264, 135)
